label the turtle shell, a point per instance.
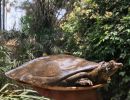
(50, 69)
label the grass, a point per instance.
(7, 92)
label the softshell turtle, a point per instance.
(63, 69)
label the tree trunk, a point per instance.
(3, 14)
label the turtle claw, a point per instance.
(84, 82)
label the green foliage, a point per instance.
(92, 29)
(100, 30)
(5, 64)
(41, 21)
(10, 92)
(5, 60)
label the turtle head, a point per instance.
(109, 68)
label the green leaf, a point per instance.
(122, 73)
(129, 61)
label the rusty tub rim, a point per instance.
(73, 88)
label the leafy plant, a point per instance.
(5, 64)
(8, 93)
(100, 30)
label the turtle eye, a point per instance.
(108, 69)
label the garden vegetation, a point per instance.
(92, 29)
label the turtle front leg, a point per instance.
(77, 76)
(84, 82)
(81, 79)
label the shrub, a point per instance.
(100, 30)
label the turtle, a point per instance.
(63, 70)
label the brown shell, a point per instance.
(45, 70)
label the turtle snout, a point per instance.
(119, 65)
